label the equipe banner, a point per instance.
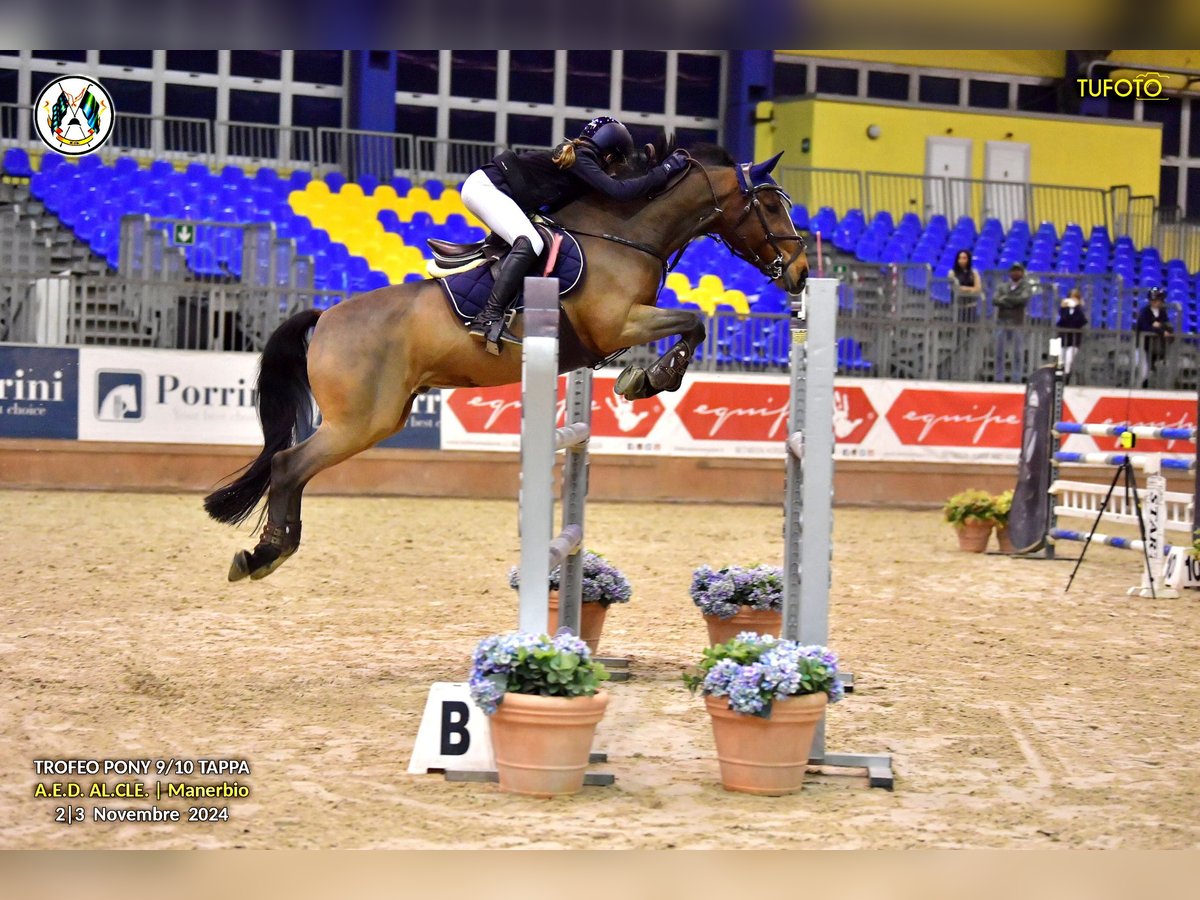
(189, 397)
(719, 415)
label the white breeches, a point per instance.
(498, 211)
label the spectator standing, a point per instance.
(1154, 332)
(1071, 322)
(1010, 301)
(967, 288)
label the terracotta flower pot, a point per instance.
(766, 756)
(764, 621)
(541, 744)
(973, 535)
(1003, 540)
(591, 620)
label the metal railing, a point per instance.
(177, 140)
(356, 153)
(248, 144)
(841, 189)
(15, 125)
(452, 159)
(1175, 237)
(178, 314)
(930, 195)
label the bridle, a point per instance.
(773, 269)
(754, 207)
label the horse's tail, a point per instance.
(284, 402)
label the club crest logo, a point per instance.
(74, 115)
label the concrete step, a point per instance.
(112, 339)
(111, 321)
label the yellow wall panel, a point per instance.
(1097, 154)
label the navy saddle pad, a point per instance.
(468, 291)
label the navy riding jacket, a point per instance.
(535, 181)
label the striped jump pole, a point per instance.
(1141, 431)
(1139, 461)
(541, 549)
(1067, 534)
(808, 512)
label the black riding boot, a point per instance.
(488, 325)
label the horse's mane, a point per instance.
(664, 145)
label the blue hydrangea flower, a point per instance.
(502, 657)
(724, 592)
(602, 581)
(767, 669)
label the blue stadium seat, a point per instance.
(368, 183)
(335, 180)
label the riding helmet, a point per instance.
(609, 136)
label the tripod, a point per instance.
(1126, 469)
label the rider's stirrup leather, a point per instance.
(489, 324)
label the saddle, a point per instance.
(451, 256)
(465, 270)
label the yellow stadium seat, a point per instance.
(351, 191)
(317, 186)
(706, 302)
(712, 283)
(419, 198)
(384, 196)
(737, 299)
(678, 282)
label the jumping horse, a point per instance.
(369, 357)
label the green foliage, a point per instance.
(970, 506)
(1001, 507)
(551, 672)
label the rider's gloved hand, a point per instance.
(674, 163)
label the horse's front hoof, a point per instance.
(631, 383)
(240, 567)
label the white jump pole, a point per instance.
(808, 520)
(541, 550)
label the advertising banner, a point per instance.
(39, 391)
(189, 397)
(715, 415)
(167, 396)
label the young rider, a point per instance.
(505, 191)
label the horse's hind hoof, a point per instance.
(240, 567)
(631, 383)
(257, 564)
(266, 569)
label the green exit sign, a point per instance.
(839, 270)
(185, 233)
